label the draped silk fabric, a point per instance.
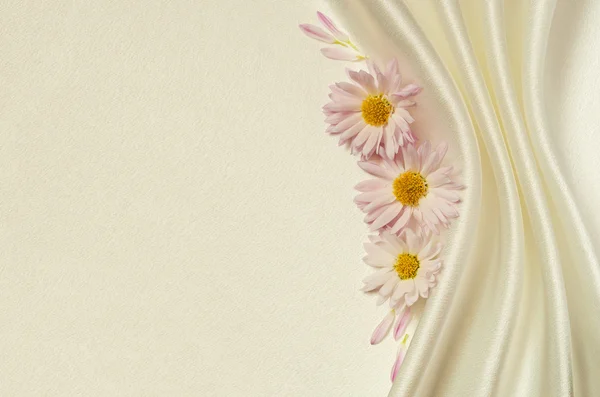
(516, 312)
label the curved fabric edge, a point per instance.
(418, 372)
(583, 280)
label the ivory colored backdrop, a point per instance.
(173, 221)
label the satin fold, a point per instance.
(516, 312)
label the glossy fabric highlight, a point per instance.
(516, 311)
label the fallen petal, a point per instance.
(397, 363)
(328, 23)
(383, 328)
(340, 54)
(402, 323)
(315, 32)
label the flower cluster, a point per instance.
(410, 196)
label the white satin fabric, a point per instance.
(516, 312)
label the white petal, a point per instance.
(392, 241)
(422, 286)
(431, 250)
(403, 287)
(387, 288)
(379, 278)
(412, 296)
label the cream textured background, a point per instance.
(173, 221)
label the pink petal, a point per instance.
(378, 278)
(424, 150)
(342, 107)
(382, 83)
(370, 196)
(393, 241)
(364, 135)
(387, 288)
(402, 220)
(448, 209)
(364, 79)
(428, 216)
(401, 290)
(371, 215)
(328, 23)
(392, 67)
(315, 32)
(412, 241)
(352, 89)
(339, 54)
(434, 266)
(427, 166)
(370, 184)
(376, 170)
(377, 258)
(381, 202)
(431, 250)
(337, 117)
(397, 364)
(383, 328)
(411, 159)
(371, 144)
(402, 323)
(441, 149)
(348, 122)
(446, 194)
(368, 82)
(436, 179)
(391, 248)
(422, 287)
(401, 122)
(405, 103)
(409, 90)
(372, 66)
(412, 295)
(352, 131)
(385, 218)
(391, 146)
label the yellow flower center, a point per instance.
(409, 188)
(376, 110)
(407, 266)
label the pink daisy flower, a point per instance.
(406, 269)
(412, 189)
(371, 112)
(406, 265)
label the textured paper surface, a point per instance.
(174, 222)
